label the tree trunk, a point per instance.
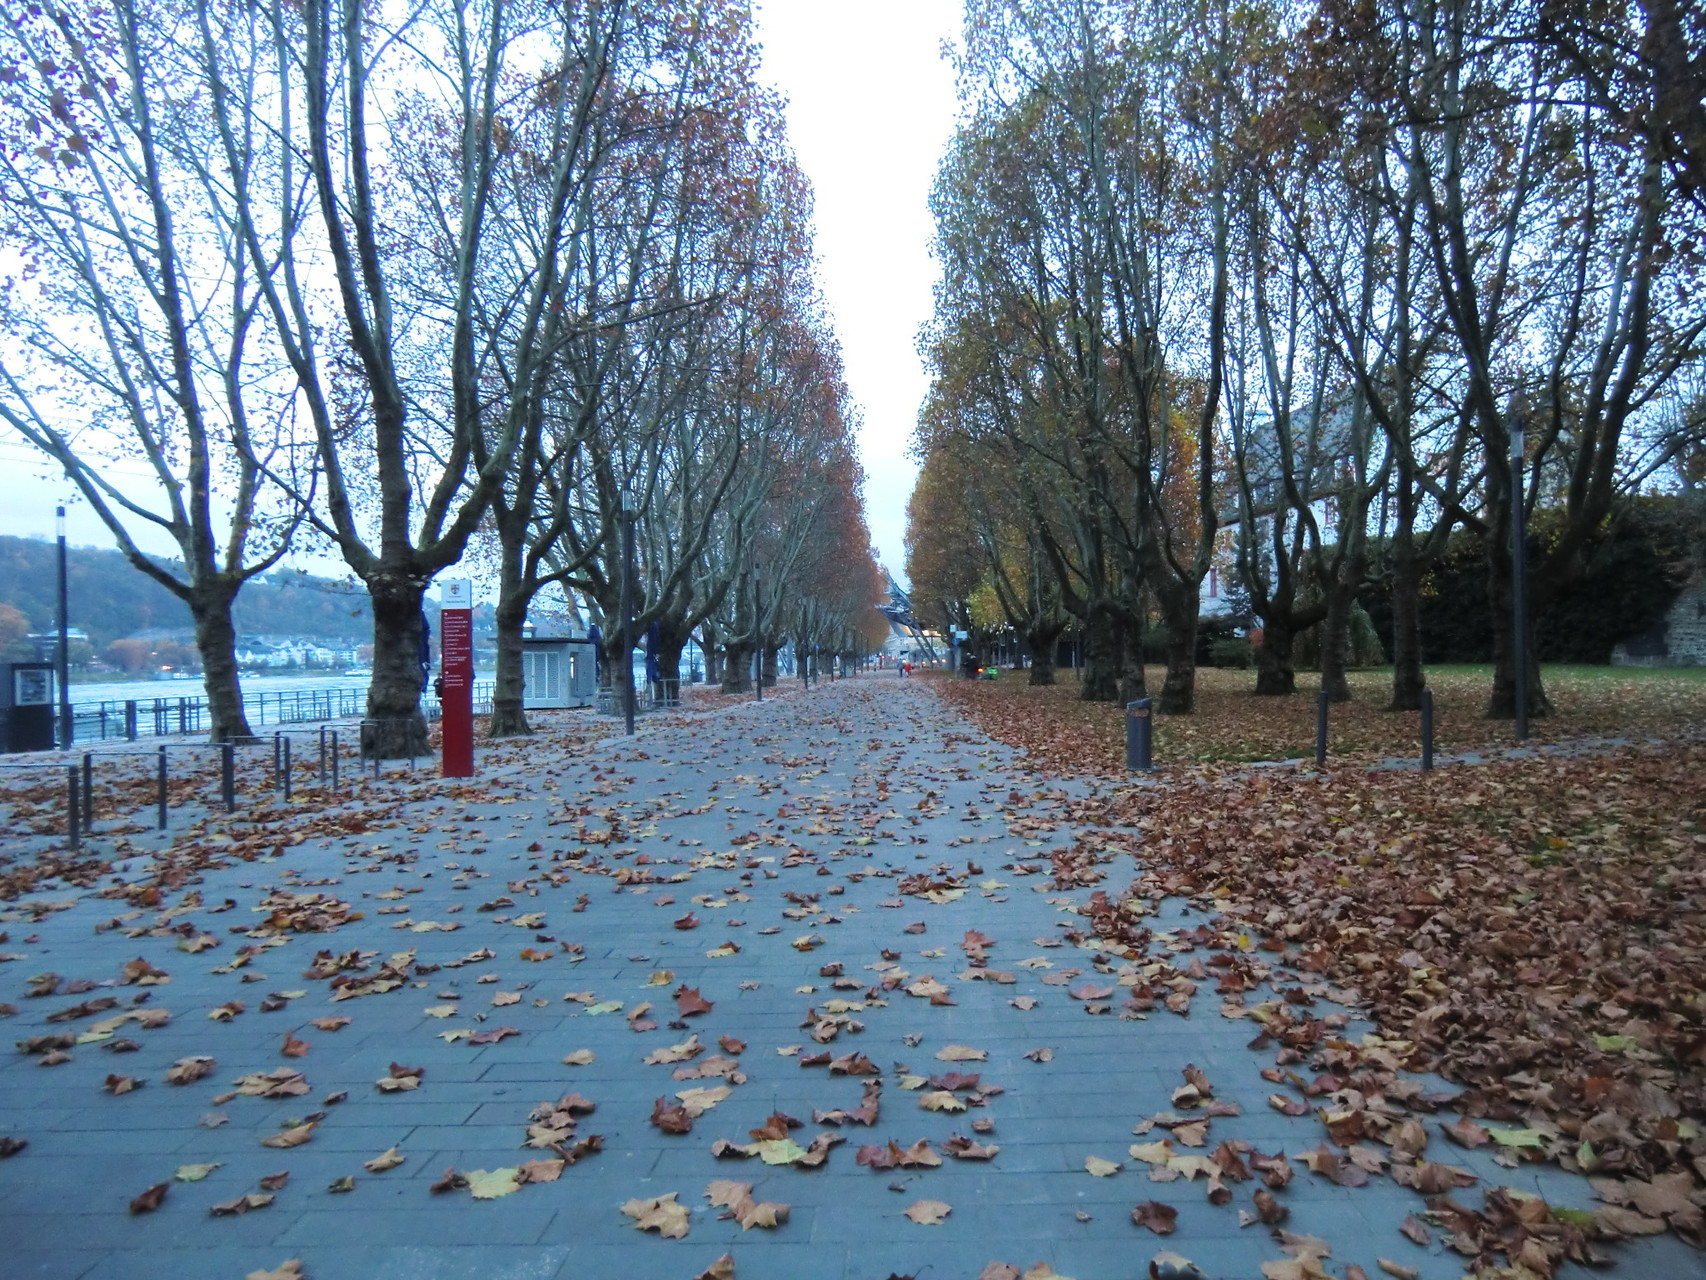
(768, 667)
(1335, 643)
(1040, 642)
(1501, 703)
(1276, 675)
(713, 652)
(1103, 656)
(1134, 684)
(397, 727)
(216, 641)
(672, 643)
(1408, 677)
(737, 668)
(1179, 615)
(618, 665)
(509, 717)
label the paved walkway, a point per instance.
(766, 859)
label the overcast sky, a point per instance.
(870, 109)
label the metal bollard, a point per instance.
(228, 775)
(287, 768)
(334, 759)
(160, 821)
(1139, 728)
(130, 721)
(74, 807)
(1321, 730)
(1427, 730)
(322, 776)
(88, 789)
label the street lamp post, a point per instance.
(1519, 575)
(64, 641)
(628, 610)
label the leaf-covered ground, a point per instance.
(685, 968)
(1533, 929)
(1231, 724)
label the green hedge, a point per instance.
(1632, 572)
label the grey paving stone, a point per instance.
(797, 773)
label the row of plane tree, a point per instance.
(395, 283)
(1212, 270)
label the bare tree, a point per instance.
(137, 335)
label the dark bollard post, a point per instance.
(1321, 730)
(73, 808)
(334, 759)
(322, 755)
(88, 789)
(277, 748)
(1427, 730)
(160, 820)
(228, 776)
(287, 768)
(130, 720)
(1139, 727)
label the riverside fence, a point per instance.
(136, 718)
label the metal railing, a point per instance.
(135, 718)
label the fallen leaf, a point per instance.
(484, 1184)
(1100, 1168)
(1159, 1218)
(961, 1053)
(387, 1159)
(194, 1172)
(292, 1137)
(660, 1214)
(929, 1213)
(189, 1070)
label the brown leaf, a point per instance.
(292, 1137)
(671, 1117)
(928, 1213)
(189, 1070)
(150, 1199)
(661, 1214)
(1159, 1218)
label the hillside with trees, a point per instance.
(111, 600)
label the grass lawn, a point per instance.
(1231, 724)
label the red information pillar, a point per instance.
(456, 666)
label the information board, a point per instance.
(456, 668)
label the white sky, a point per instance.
(870, 109)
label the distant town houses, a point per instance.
(274, 652)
